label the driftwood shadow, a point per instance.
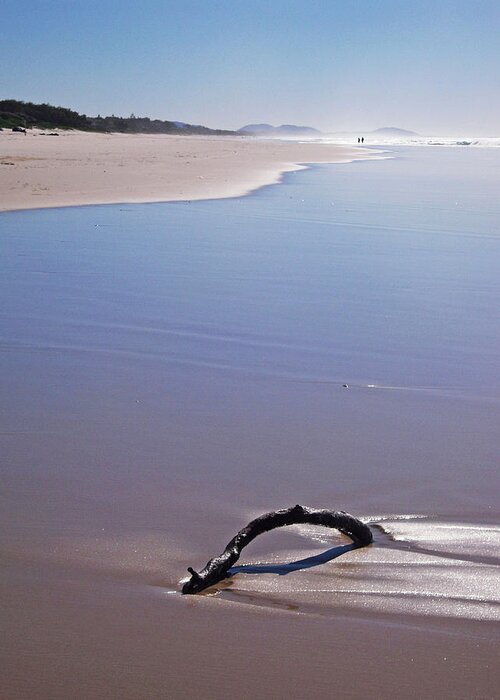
(288, 568)
(218, 568)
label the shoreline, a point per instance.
(171, 373)
(84, 169)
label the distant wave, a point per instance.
(377, 140)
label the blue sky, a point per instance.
(433, 67)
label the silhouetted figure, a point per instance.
(362, 139)
(359, 140)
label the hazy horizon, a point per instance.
(339, 67)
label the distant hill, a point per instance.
(283, 130)
(394, 131)
(256, 129)
(15, 113)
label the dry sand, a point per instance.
(75, 168)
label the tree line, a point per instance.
(17, 113)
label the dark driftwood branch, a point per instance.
(217, 568)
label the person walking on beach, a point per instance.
(359, 140)
(362, 139)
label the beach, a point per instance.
(39, 170)
(172, 370)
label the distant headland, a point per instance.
(16, 114)
(283, 130)
(393, 131)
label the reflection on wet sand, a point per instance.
(395, 575)
(172, 371)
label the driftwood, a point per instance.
(217, 568)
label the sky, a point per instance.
(338, 65)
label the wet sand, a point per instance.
(171, 371)
(76, 168)
(82, 637)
